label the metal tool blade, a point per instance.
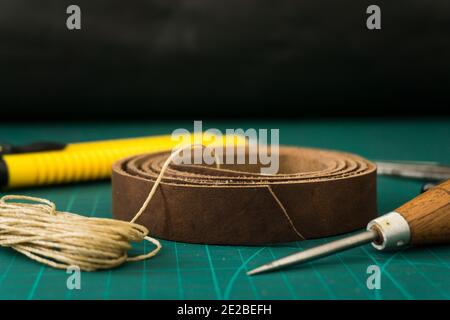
(411, 169)
(319, 251)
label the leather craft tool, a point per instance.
(414, 169)
(432, 172)
(316, 193)
(425, 220)
(45, 163)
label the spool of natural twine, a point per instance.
(62, 239)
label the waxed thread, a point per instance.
(62, 239)
(161, 173)
(280, 204)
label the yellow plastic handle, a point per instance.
(82, 161)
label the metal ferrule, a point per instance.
(393, 230)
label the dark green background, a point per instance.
(210, 272)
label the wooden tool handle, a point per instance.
(428, 215)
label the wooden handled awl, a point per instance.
(425, 220)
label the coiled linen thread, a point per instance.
(62, 239)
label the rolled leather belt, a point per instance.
(323, 192)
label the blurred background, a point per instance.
(154, 59)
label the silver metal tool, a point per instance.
(424, 220)
(428, 213)
(414, 169)
(318, 252)
(386, 232)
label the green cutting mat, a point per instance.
(218, 272)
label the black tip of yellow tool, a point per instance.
(3, 173)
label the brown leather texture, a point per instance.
(324, 193)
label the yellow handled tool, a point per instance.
(53, 163)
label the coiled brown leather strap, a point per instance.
(316, 193)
